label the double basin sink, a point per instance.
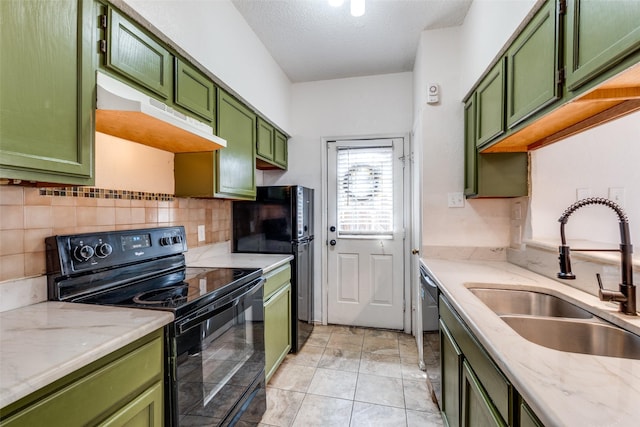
(555, 323)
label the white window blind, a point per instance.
(365, 191)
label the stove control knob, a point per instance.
(176, 239)
(165, 241)
(83, 253)
(103, 250)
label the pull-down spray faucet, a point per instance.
(626, 296)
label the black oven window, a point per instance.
(218, 362)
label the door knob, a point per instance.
(332, 242)
(332, 229)
(415, 251)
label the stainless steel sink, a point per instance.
(595, 338)
(511, 301)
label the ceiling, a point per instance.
(312, 40)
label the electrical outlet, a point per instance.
(201, 236)
(616, 194)
(455, 200)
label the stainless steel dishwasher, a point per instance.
(429, 296)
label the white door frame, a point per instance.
(406, 200)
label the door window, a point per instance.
(365, 192)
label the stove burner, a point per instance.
(170, 295)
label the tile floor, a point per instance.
(346, 376)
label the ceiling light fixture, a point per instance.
(357, 6)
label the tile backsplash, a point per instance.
(28, 215)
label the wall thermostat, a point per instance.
(433, 93)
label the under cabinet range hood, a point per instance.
(127, 113)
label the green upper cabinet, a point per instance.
(280, 150)
(470, 150)
(264, 142)
(490, 105)
(491, 175)
(533, 60)
(235, 164)
(271, 147)
(133, 54)
(194, 91)
(600, 34)
(47, 63)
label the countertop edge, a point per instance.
(540, 374)
(22, 387)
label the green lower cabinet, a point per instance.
(47, 78)
(235, 164)
(450, 364)
(599, 35)
(477, 409)
(124, 388)
(277, 318)
(144, 411)
(527, 417)
(475, 392)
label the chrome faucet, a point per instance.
(626, 296)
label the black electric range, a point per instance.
(217, 311)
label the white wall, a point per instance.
(604, 157)
(216, 35)
(455, 58)
(363, 106)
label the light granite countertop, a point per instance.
(44, 342)
(564, 389)
(266, 262)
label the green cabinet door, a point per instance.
(450, 368)
(265, 140)
(143, 411)
(532, 66)
(136, 56)
(235, 164)
(280, 150)
(470, 150)
(277, 329)
(477, 409)
(527, 417)
(599, 35)
(490, 105)
(47, 78)
(194, 91)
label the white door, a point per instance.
(365, 233)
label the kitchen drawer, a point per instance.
(276, 278)
(496, 385)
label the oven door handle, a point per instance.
(216, 307)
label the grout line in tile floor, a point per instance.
(349, 376)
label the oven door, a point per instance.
(219, 372)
